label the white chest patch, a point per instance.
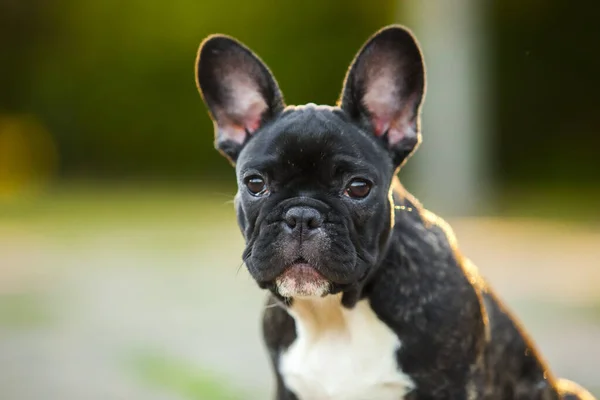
(342, 354)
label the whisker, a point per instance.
(239, 269)
(230, 197)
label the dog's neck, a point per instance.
(318, 314)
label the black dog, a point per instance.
(371, 298)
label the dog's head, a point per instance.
(313, 197)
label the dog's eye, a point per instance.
(358, 189)
(256, 185)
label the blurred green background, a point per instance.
(120, 271)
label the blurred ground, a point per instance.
(127, 294)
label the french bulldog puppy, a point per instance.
(369, 296)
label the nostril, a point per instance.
(303, 218)
(314, 221)
(290, 220)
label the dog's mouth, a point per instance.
(301, 279)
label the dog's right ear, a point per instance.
(239, 90)
(384, 89)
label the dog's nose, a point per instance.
(303, 219)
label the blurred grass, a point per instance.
(23, 311)
(77, 204)
(182, 379)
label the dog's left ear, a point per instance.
(239, 90)
(384, 88)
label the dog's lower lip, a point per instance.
(303, 269)
(302, 279)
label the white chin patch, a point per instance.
(290, 287)
(301, 280)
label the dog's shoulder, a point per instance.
(455, 290)
(426, 244)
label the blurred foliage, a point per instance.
(113, 81)
(546, 119)
(27, 154)
(184, 380)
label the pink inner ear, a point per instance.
(380, 125)
(397, 127)
(389, 112)
(244, 110)
(233, 132)
(253, 114)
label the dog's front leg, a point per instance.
(278, 333)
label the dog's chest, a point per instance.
(342, 354)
